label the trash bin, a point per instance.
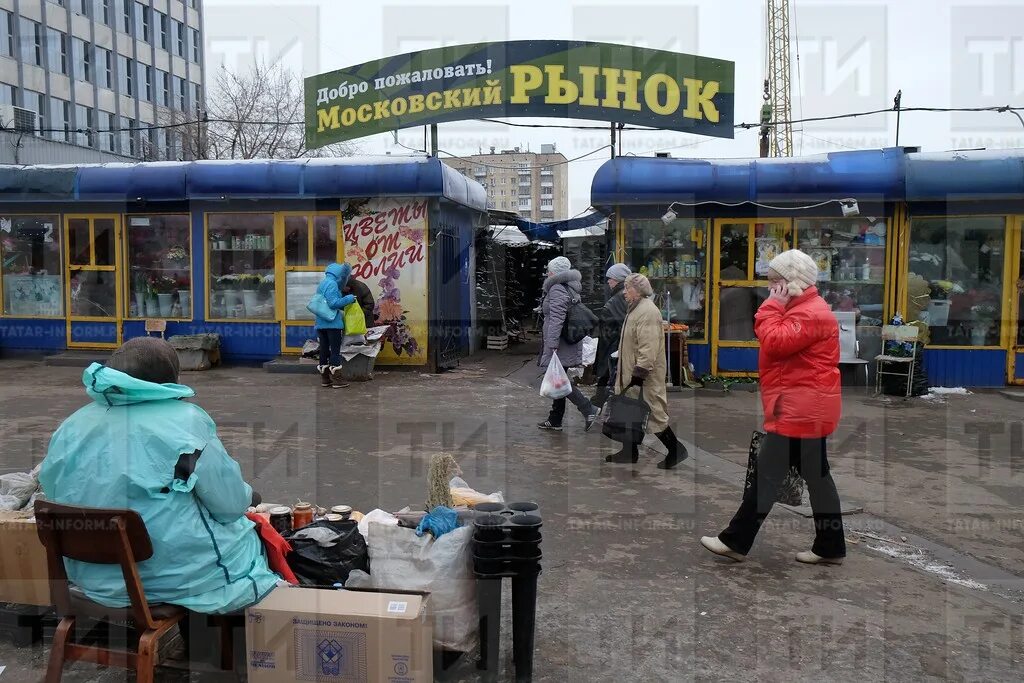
(196, 351)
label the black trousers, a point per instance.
(778, 454)
(330, 347)
(581, 402)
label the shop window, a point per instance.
(673, 258)
(160, 266)
(30, 254)
(736, 309)
(956, 275)
(310, 244)
(241, 260)
(851, 264)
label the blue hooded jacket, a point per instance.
(335, 277)
(137, 446)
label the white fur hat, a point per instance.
(797, 268)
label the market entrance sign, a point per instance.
(538, 78)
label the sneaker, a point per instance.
(547, 426)
(716, 546)
(808, 557)
(591, 419)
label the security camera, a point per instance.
(669, 216)
(849, 207)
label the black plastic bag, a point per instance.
(318, 566)
(792, 490)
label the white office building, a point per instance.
(93, 79)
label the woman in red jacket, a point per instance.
(800, 394)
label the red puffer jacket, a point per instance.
(799, 366)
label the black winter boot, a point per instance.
(629, 453)
(676, 451)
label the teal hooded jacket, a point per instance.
(335, 277)
(138, 446)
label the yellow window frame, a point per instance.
(126, 276)
(206, 266)
(116, 319)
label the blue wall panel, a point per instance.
(965, 368)
(37, 335)
(737, 359)
(88, 332)
(296, 336)
(700, 356)
(1019, 366)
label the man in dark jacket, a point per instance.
(364, 298)
(609, 327)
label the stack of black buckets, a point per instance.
(506, 544)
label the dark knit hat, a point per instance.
(147, 358)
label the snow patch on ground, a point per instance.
(949, 391)
(918, 558)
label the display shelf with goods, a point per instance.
(851, 258)
(241, 264)
(673, 257)
(159, 250)
(30, 266)
(956, 279)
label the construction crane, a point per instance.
(777, 111)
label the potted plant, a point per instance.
(184, 296)
(984, 316)
(176, 256)
(164, 287)
(267, 289)
(229, 284)
(140, 287)
(249, 284)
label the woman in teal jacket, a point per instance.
(138, 446)
(331, 331)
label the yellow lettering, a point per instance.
(381, 110)
(560, 91)
(364, 113)
(621, 82)
(327, 118)
(651, 87)
(433, 101)
(699, 96)
(348, 117)
(451, 99)
(399, 105)
(492, 92)
(525, 78)
(415, 104)
(471, 97)
(589, 75)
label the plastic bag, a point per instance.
(465, 496)
(355, 320)
(439, 521)
(17, 488)
(556, 382)
(589, 350)
(377, 516)
(400, 560)
(317, 565)
(310, 348)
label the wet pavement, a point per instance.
(932, 586)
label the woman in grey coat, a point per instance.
(562, 289)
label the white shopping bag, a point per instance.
(556, 382)
(589, 350)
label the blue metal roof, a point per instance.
(347, 177)
(892, 174)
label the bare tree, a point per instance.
(253, 115)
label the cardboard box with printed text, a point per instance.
(342, 636)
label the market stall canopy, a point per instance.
(347, 177)
(549, 232)
(891, 174)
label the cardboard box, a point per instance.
(339, 636)
(24, 577)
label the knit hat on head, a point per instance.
(146, 358)
(798, 270)
(558, 265)
(618, 272)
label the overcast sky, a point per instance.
(853, 56)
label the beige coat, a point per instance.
(643, 345)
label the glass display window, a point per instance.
(240, 248)
(310, 245)
(850, 253)
(159, 251)
(673, 257)
(955, 279)
(31, 266)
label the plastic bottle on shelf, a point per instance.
(865, 270)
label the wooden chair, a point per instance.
(101, 536)
(897, 333)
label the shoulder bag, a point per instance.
(579, 320)
(627, 418)
(319, 307)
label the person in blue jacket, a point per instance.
(137, 445)
(331, 331)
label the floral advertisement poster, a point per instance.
(386, 245)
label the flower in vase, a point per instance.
(176, 253)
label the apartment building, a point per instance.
(535, 185)
(99, 74)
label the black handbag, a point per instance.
(579, 321)
(627, 418)
(792, 489)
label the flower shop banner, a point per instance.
(538, 78)
(386, 245)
